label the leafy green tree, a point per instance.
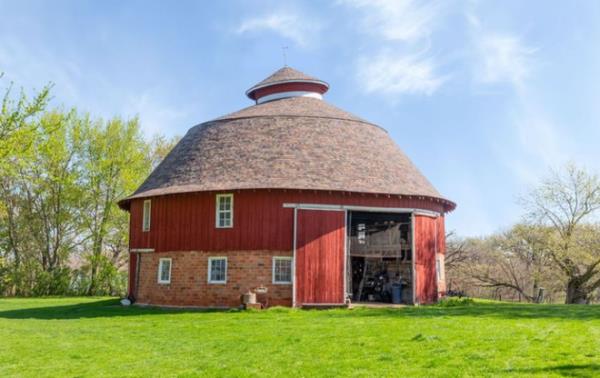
(115, 161)
(19, 124)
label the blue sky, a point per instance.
(485, 97)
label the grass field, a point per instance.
(97, 337)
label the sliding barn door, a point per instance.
(426, 245)
(320, 250)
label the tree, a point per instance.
(40, 195)
(16, 124)
(515, 260)
(18, 131)
(568, 203)
(115, 161)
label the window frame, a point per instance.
(218, 210)
(160, 263)
(284, 258)
(216, 258)
(148, 213)
(438, 268)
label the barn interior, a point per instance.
(380, 256)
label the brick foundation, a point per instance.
(189, 279)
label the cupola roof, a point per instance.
(287, 82)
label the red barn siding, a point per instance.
(183, 222)
(288, 87)
(320, 257)
(425, 252)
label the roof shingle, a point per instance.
(292, 143)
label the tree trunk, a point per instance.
(576, 292)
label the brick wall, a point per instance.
(189, 279)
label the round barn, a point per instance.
(293, 199)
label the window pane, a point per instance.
(218, 270)
(146, 216)
(283, 270)
(225, 211)
(165, 267)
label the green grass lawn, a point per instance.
(97, 337)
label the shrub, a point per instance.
(454, 302)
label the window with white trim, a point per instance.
(164, 270)
(217, 270)
(282, 270)
(438, 268)
(146, 215)
(224, 210)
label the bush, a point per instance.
(454, 302)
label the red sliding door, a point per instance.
(320, 249)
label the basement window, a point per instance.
(224, 211)
(282, 270)
(164, 271)
(217, 270)
(146, 216)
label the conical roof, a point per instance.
(296, 142)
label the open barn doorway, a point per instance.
(380, 257)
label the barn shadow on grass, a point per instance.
(489, 310)
(567, 370)
(97, 309)
(104, 308)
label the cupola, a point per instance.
(287, 82)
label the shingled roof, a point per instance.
(290, 143)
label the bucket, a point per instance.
(396, 293)
(249, 298)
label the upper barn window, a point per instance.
(146, 215)
(224, 210)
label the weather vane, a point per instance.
(284, 52)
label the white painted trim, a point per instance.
(295, 240)
(282, 258)
(426, 213)
(146, 227)
(160, 262)
(279, 95)
(345, 255)
(214, 258)
(141, 250)
(286, 82)
(311, 206)
(218, 197)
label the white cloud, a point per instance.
(398, 20)
(502, 58)
(401, 64)
(399, 74)
(499, 57)
(292, 26)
